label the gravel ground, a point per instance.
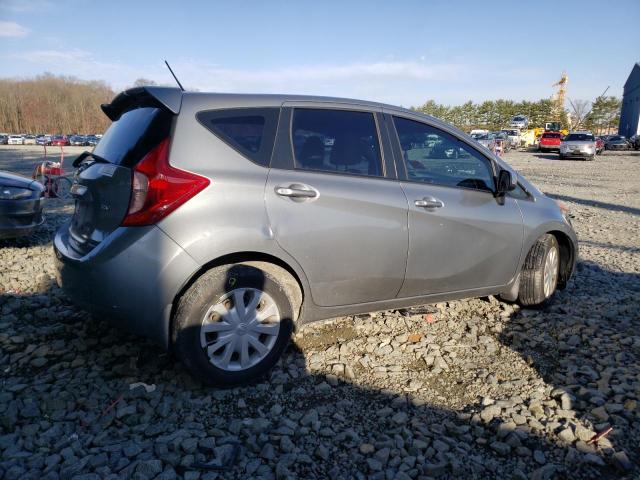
(467, 389)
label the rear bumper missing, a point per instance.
(130, 279)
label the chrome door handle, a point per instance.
(293, 192)
(429, 202)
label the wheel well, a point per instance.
(236, 258)
(567, 254)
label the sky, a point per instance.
(400, 52)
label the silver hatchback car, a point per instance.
(215, 223)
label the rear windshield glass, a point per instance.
(551, 135)
(578, 137)
(129, 139)
(250, 131)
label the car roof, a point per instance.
(211, 100)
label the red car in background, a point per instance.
(60, 140)
(550, 141)
(599, 145)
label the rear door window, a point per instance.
(135, 133)
(250, 131)
(338, 141)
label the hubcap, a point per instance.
(240, 329)
(550, 272)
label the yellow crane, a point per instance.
(558, 112)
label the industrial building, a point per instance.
(630, 114)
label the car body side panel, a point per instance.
(351, 239)
(230, 211)
(542, 216)
(472, 241)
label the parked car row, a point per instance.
(584, 144)
(77, 140)
(499, 142)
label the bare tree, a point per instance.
(580, 109)
(53, 104)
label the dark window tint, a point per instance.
(135, 133)
(336, 141)
(550, 135)
(434, 156)
(251, 131)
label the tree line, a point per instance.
(59, 104)
(601, 115)
(52, 104)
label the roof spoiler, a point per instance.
(168, 98)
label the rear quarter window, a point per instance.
(249, 131)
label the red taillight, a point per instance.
(158, 188)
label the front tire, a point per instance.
(235, 321)
(539, 275)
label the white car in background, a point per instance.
(513, 134)
(519, 121)
(15, 140)
(478, 132)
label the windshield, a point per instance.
(578, 137)
(617, 138)
(551, 135)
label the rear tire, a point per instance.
(222, 309)
(539, 275)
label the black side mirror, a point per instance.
(506, 182)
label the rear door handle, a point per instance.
(295, 191)
(429, 202)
